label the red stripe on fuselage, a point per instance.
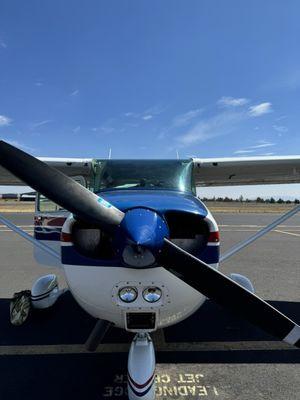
(140, 386)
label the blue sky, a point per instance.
(149, 78)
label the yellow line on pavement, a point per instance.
(61, 349)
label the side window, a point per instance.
(45, 205)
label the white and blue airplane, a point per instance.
(138, 249)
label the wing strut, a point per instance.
(241, 245)
(28, 237)
(97, 334)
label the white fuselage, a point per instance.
(96, 289)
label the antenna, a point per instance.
(177, 154)
(109, 154)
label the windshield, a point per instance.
(143, 174)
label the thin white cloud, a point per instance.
(108, 127)
(38, 83)
(4, 121)
(74, 93)
(138, 116)
(228, 101)
(41, 123)
(154, 110)
(76, 129)
(162, 135)
(280, 128)
(223, 123)
(281, 118)
(106, 130)
(262, 145)
(260, 109)
(218, 125)
(266, 154)
(186, 118)
(147, 117)
(3, 45)
(289, 80)
(180, 121)
(292, 80)
(244, 151)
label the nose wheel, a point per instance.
(141, 368)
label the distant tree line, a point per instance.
(241, 199)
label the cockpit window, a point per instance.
(143, 174)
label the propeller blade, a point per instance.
(229, 294)
(59, 188)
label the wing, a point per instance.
(69, 166)
(246, 170)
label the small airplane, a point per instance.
(28, 196)
(138, 249)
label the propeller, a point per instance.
(199, 275)
(229, 294)
(60, 188)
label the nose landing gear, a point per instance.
(141, 368)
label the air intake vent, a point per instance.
(91, 242)
(142, 320)
(188, 231)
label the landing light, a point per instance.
(128, 294)
(152, 294)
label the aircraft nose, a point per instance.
(144, 227)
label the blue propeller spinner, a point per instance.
(141, 237)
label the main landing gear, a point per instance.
(141, 358)
(44, 294)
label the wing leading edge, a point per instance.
(69, 166)
(207, 171)
(246, 170)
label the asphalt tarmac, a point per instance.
(211, 355)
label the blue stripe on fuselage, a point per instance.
(47, 234)
(69, 256)
(210, 254)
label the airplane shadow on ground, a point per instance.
(88, 375)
